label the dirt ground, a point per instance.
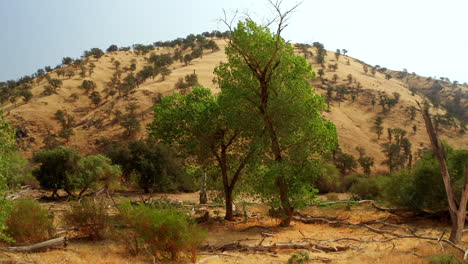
(407, 250)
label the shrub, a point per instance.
(157, 166)
(366, 188)
(55, 167)
(89, 217)
(28, 222)
(327, 179)
(301, 257)
(422, 187)
(444, 259)
(164, 233)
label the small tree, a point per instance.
(55, 168)
(187, 59)
(93, 172)
(378, 128)
(95, 98)
(67, 61)
(365, 68)
(164, 72)
(70, 73)
(337, 54)
(112, 48)
(88, 85)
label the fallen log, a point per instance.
(273, 247)
(37, 247)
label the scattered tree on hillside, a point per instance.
(164, 73)
(95, 98)
(365, 161)
(112, 48)
(337, 54)
(346, 163)
(378, 128)
(365, 68)
(88, 85)
(130, 121)
(70, 73)
(397, 150)
(344, 51)
(67, 61)
(349, 78)
(95, 52)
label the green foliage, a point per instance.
(275, 97)
(88, 85)
(56, 167)
(445, 259)
(29, 223)
(156, 165)
(300, 257)
(327, 179)
(7, 147)
(366, 188)
(93, 172)
(346, 163)
(95, 52)
(164, 233)
(89, 217)
(422, 187)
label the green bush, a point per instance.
(422, 187)
(164, 233)
(327, 179)
(366, 188)
(444, 259)
(28, 222)
(157, 166)
(89, 217)
(301, 257)
(55, 167)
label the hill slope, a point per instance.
(353, 114)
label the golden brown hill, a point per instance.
(353, 117)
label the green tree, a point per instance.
(156, 165)
(378, 128)
(55, 168)
(93, 172)
(95, 98)
(265, 89)
(337, 54)
(165, 72)
(7, 147)
(196, 122)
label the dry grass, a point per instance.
(219, 233)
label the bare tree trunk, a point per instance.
(203, 198)
(457, 214)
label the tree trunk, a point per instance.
(457, 211)
(203, 198)
(458, 222)
(228, 194)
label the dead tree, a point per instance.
(457, 209)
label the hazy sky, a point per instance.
(428, 37)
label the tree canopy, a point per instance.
(266, 88)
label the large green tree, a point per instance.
(7, 146)
(196, 123)
(265, 89)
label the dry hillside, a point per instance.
(354, 120)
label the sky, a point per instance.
(428, 37)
